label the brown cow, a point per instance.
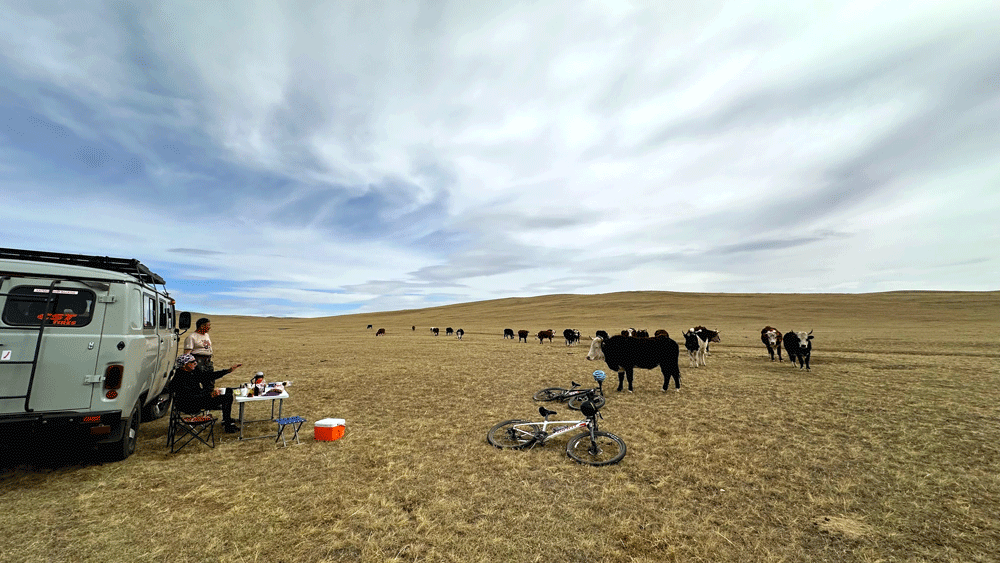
(522, 335)
(542, 335)
(380, 332)
(660, 333)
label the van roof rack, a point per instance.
(129, 266)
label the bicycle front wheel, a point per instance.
(575, 402)
(512, 434)
(550, 394)
(604, 449)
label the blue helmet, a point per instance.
(599, 375)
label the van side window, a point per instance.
(165, 320)
(148, 312)
(25, 306)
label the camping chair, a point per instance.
(186, 427)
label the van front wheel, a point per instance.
(125, 447)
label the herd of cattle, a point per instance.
(636, 349)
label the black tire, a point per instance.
(550, 394)
(157, 408)
(506, 437)
(610, 449)
(125, 447)
(575, 402)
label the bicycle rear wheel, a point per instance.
(550, 394)
(575, 402)
(605, 449)
(512, 434)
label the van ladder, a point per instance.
(49, 303)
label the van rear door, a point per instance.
(70, 320)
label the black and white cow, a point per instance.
(799, 347)
(709, 336)
(459, 333)
(603, 334)
(522, 335)
(623, 354)
(571, 335)
(771, 338)
(508, 333)
(435, 330)
(696, 347)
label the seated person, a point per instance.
(194, 389)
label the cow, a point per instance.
(624, 354)
(798, 346)
(522, 335)
(709, 336)
(369, 327)
(380, 332)
(696, 347)
(413, 328)
(508, 333)
(771, 338)
(459, 333)
(435, 330)
(571, 335)
(626, 333)
(448, 331)
(661, 332)
(543, 334)
(641, 333)
(603, 334)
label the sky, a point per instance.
(309, 159)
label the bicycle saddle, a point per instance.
(545, 412)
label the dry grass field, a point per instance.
(887, 450)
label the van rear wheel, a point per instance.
(125, 447)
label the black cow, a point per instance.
(522, 335)
(459, 333)
(508, 333)
(602, 333)
(571, 335)
(448, 331)
(623, 354)
(771, 338)
(799, 347)
(641, 333)
(369, 327)
(414, 327)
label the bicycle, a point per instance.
(575, 397)
(593, 447)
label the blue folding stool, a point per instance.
(295, 422)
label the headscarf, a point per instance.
(184, 360)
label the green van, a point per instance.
(87, 345)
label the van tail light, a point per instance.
(113, 376)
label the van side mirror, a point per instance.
(184, 320)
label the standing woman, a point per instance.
(199, 344)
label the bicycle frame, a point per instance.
(542, 436)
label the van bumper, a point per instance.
(95, 426)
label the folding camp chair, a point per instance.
(186, 427)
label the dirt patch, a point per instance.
(843, 527)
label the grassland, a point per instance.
(887, 450)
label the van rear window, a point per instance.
(28, 305)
